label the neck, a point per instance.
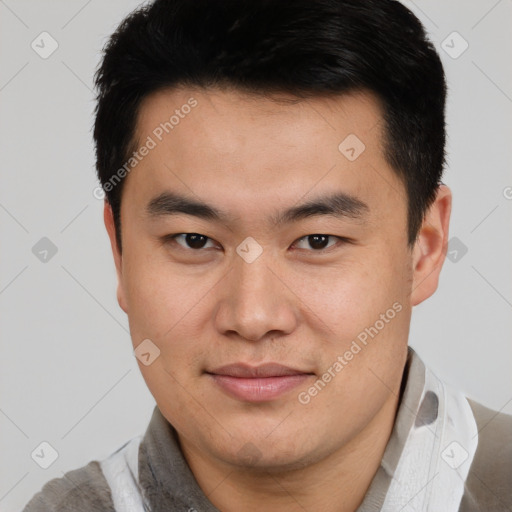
(337, 483)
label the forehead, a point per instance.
(253, 150)
(221, 115)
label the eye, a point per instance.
(194, 241)
(197, 241)
(318, 242)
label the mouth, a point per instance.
(257, 383)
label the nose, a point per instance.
(256, 301)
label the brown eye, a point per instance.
(191, 240)
(317, 242)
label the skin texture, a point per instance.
(295, 304)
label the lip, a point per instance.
(257, 383)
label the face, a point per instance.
(296, 255)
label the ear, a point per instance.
(108, 217)
(430, 248)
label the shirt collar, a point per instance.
(411, 389)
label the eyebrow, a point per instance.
(340, 204)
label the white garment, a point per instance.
(436, 458)
(122, 474)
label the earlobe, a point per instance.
(430, 248)
(108, 218)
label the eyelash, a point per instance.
(172, 239)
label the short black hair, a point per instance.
(305, 48)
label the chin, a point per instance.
(269, 461)
(271, 451)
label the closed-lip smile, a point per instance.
(260, 383)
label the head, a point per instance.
(301, 146)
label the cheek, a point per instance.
(348, 296)
(150, 303)
(172, 310)
(157, 294)
(361, 311)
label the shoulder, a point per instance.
(488, 485)
(81, 489)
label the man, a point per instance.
(274, 203)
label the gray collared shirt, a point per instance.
(162, 480)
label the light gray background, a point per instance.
(67, 372)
